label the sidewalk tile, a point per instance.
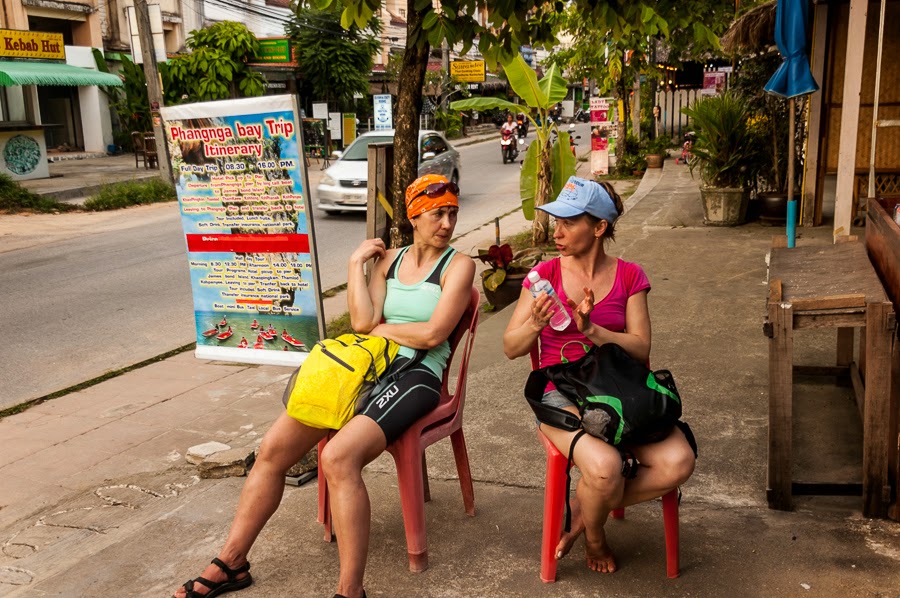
(167, 449)
(56, 462)
(20, 496)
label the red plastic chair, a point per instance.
(409, 450)
(555, 500)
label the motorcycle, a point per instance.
(522, 124)
(582, 115)
(508, 147)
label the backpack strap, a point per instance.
(552, 416)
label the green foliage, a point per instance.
(658, 145)
(216, 68)
(630, 156)
(448, 122)
(549, 162)
(15, 198)
(724, 150)
(769, 117)
(335, 63)
(130, 193)
(130, 102)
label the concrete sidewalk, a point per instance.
(97, 498)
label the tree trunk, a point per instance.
(406, 125)
(541, 224)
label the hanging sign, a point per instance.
(31, 44)
(469, 71)
(243, 192)
(383, 117)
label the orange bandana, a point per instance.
(429, 192)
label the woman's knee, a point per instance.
(678, 462)
(602, 473)
(338, 462)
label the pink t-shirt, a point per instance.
(609, 312)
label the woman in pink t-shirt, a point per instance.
(586, 213)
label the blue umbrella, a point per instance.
(793, 78)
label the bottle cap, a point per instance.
(533, 277)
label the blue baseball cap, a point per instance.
(580, 196)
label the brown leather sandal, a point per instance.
(220, 587)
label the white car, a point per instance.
(344, 186)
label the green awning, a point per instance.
(50, 73)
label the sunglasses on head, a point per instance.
(438, 189)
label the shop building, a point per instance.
(49, 82)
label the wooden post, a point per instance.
(876, 417)
(814, 127)
(781, 347)
(154, 87)
(844, 347)
(853, 69)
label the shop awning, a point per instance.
(50, 73)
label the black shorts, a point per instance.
(416, 392)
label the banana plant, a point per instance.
(549, 161)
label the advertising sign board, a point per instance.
(243, 193)
(469, 71)
(31, 44)
(384, 119)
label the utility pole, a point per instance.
(445, 80)
(154, 86)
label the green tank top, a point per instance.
(410, 303)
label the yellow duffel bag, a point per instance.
(335, 380)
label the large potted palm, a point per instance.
(725, 155)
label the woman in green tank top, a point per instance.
(415, 296)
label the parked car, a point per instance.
(345, 187)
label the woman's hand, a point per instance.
(541, 312)
(367, 250)
(582, 311)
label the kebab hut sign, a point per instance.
(31, 44)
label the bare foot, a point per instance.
(577, 528)
(214, 574)
(599, 555)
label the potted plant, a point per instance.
(769, 123)
(502, 282)
(725, 155)
(656, 152)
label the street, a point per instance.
(103, 298)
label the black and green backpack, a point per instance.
(620, 400)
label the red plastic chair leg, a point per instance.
(618, 513)
(554, 503)
(670, 521)
(408, 459)
(462, 469)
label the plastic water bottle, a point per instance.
(560, 319)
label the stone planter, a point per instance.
(654, 160)
(507, 293)
(724, 207)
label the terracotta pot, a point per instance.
(724, 207)
(507, 293)
(637, 173)
(654, 160)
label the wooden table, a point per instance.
(830, 286)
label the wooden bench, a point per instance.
(832, 286)
(883, 246)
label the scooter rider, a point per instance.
(508, 138)
(509, 126)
